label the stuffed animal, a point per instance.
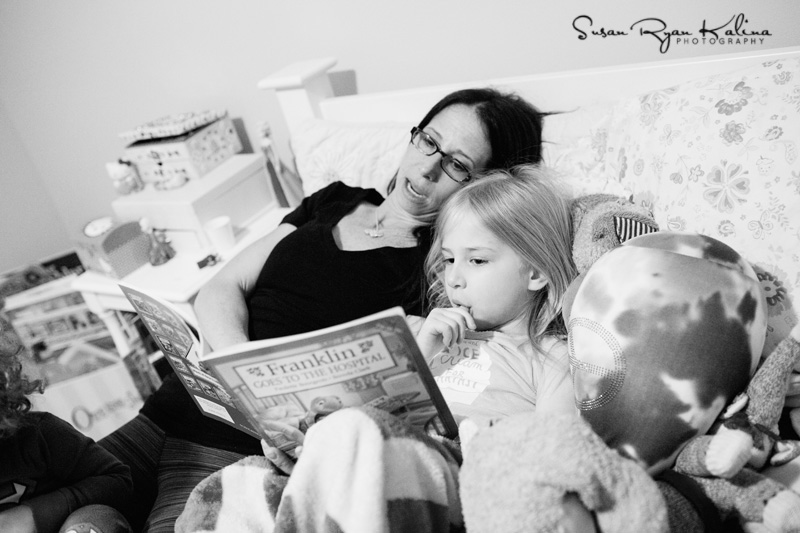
(752, 499)
(685, 344)
(519, 474)
(664, 332)
(601, 222)
(726, 463)
(676, 389)
(532, 467)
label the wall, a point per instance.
(75, 73)
(31, 227)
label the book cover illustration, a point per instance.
(181, 348)
(290, 383)
(276, 389)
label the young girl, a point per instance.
(499, 266)
(52, 477)
(498, 269)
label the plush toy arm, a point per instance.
(721, 455)
(769, 386)
(785, 451)
(793, 389)
(758, 503)
(692, 458)
(728, 451)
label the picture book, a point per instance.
(180, 345)
(275, 389)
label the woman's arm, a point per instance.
(221, 306)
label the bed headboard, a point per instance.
(304, 92)
(717, 154)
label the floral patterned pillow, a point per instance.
(719, 156)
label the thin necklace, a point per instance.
(375, 232)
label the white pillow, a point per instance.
(575, 146)
(358, 154)
(368, 155)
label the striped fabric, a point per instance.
(164, 470)
(361, 471)
(628, 228)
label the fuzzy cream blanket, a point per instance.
(361, 471)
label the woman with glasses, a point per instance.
(354, 245)
(342, 254)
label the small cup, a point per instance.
(219, 231)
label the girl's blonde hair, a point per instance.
(525, 209)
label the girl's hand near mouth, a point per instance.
(444, 327)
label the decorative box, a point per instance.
(113, 248)
(171, 125)
(239, 188)
(190, 155)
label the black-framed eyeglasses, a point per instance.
(427, 145)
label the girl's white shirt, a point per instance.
(491, 375)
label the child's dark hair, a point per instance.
(14, 390)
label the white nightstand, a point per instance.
(177, 281)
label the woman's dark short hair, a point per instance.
(513, 125)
